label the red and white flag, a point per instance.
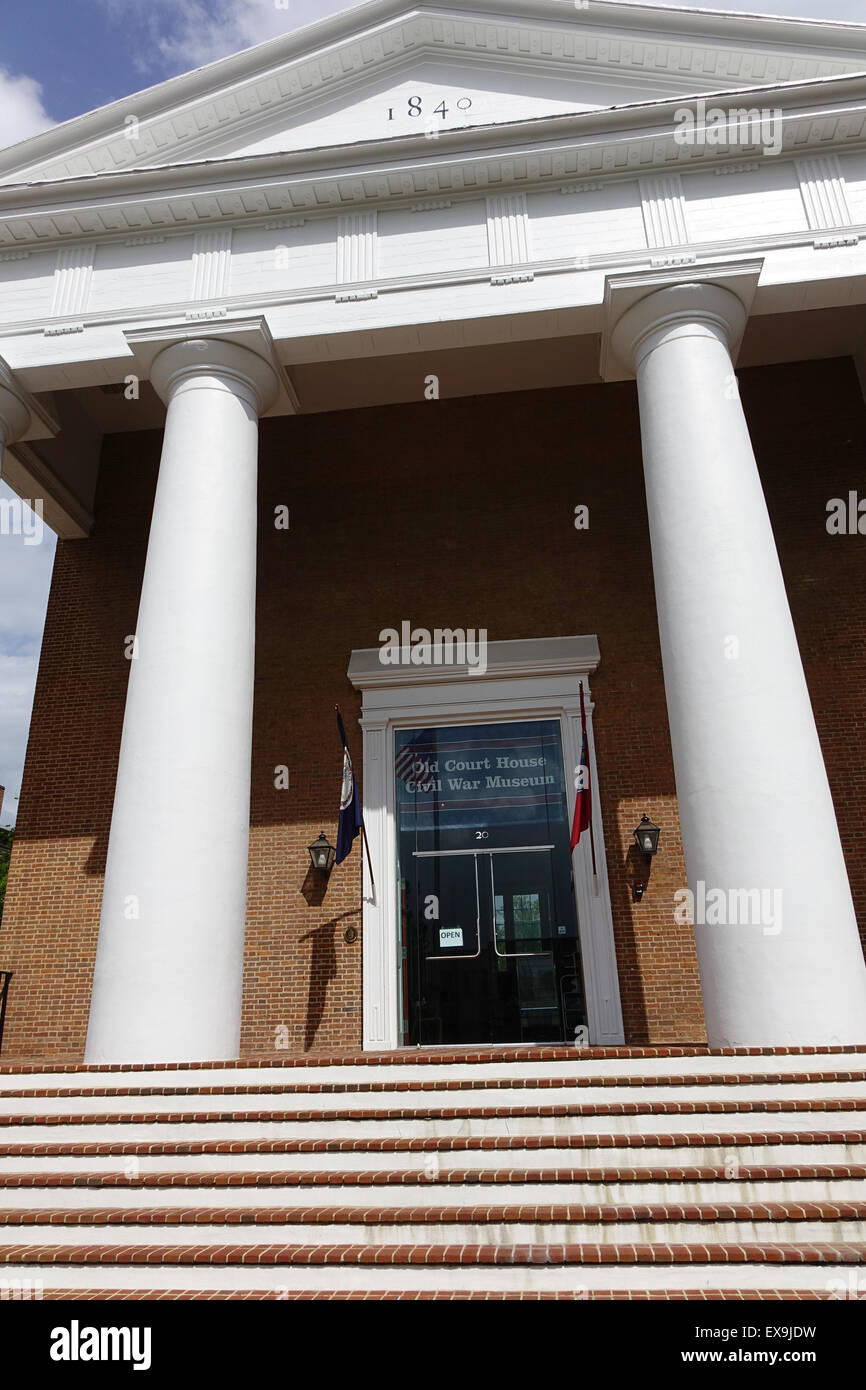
(410, 766)
(583, 799)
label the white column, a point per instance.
(167, 983)
(754, 801)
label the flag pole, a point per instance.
(361, 807)
(366, 846)
(591, 805)
(592, 851)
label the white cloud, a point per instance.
(25, 576)
(181, 34)
(21, 111)
(171, 36)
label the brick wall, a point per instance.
(808, 425)
(452, 514)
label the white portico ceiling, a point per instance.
(483, 63)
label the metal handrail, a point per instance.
(5, 977)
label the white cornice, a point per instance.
(639, 260)
(186, 111)
(830, 115)
(537, 656)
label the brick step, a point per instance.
(425, 1056)
(240, 1190)
(575, 1168)
(827, 1269)
(417, 1155)
(430, 1295)
(431, 1078)
(418, 1102)
(542, 1122)
(501, 1110)
(272, 1272)
(826, 1253)
(566, 1080)
(403, 1177)
(492, 1214)
(479, 1226)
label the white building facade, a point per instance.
(664, 194)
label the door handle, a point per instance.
(468, 955)
(506, 955)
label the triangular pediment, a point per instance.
(426, 94)
(387, 69)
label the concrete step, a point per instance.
(825, 1269)
(530, 1078)
(434, 1294)
(417, 1122)
(430, 1295)
(523, 1172)
(448, 1063)
(491, 1224)
(236, 1189)
(343, 1100)
(427, 1154)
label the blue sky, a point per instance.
(59, 58)
(69, 56)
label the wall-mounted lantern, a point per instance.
(647, 836)
(322, 854)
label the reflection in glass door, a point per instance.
(490, 943)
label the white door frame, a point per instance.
(533, 679)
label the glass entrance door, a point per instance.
(490, 941)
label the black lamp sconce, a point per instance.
(322, 854)
(646, 837)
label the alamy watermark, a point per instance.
(846, 516)
(439, 646)
(21, 517)
(77, 1343)
(21, 1290)
(738, 127)
(729, 907)
(851, 1285)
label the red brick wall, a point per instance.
(452, 514)
(808, 425)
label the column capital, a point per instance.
(646, 307)
(675, 312)
(184, 363)
(240, 353)
(15, 414)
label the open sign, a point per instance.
(450, 936)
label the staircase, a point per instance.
(544, 1172)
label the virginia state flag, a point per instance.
(350, 805)
(583, 800)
